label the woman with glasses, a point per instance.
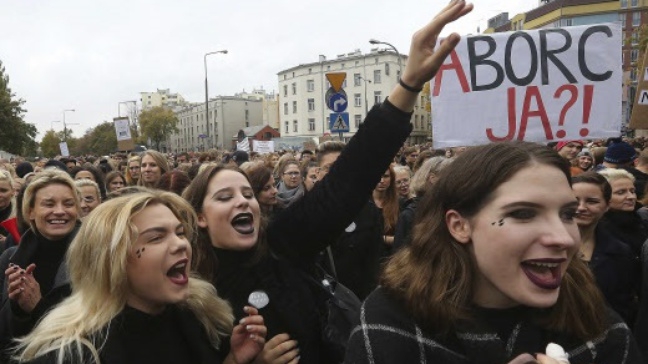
(290, 188)
(90, 196)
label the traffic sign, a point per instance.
(337, 101)
(339, 122)
(336, 79)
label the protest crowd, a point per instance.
(374, 251)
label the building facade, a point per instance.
(270, 105)
(227, 115)
(369, 80)
(559, 13)
(161, 97)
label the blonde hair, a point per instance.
(613, 174)
(88, 183)
(6, 176)
(420, 182)
(129, 177)
(42, 180)
(97, 260)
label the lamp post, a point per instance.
(365, 94)
(400, 64)
(223, 51)
(65, 125)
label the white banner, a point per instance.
(263, 147)
(539, 85)
(65, 152)
(122, 128)
(243, 145)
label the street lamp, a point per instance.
(400, 64)
(65, 125)
(223, 51)
(365, 94)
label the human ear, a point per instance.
(202, 221)
(458, 226)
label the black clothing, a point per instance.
(641, 325)
(405, 224)
(4, 215)
(387, 334)
(174, 337)
(617, 269)
(640, 180)
(53, 280)
(358, 252)
(297, 234)
(627, 226)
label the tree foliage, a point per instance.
(157, 124)
(100, 140)
(50, 144)
(16, 136)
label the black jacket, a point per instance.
(13, 322)
(388, 335)
(405, 224)
(297, 234)
(174, 337)
(617, 269)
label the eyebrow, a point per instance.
(536, 205)
(158, 229)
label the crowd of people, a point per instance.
(483, 254)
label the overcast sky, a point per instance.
(90, 55)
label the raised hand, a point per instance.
(23, 287)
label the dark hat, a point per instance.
(23, 168)
(620, 153)
(240, 157)
(560, 145)
(56, 164)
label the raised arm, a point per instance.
(310, 224)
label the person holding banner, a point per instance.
(491, 274)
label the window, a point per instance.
(416, 121)
(376, 60)
(386, 69)
(287, 126)
(624, 4)
(310, 85)
(357, 79)
(622, 17)
(285, 90)
(357, 100)
(342, 66)
(311, 104)
(376, 76)
(634, 55)
(635, 37)
(636, 19)
(294, 107)
(634, 3)
(294, 88)
(567, 22)
(285, 108)
(310, 70)
(357, 119)
(377, 97)
(284, 77)
(295, 125)
(633, 74)
(311, 124)
(247, 115)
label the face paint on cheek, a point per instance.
(499, 223)
(139, 252)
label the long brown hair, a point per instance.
(390, 205)
(434, 276)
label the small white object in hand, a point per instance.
(556, 351)
(258, 299)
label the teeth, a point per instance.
(57, 222)
(545, 265)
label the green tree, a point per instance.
(50, 144)
(16, 136)
(101, 139)
(157, 124)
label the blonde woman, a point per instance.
(134, 298)
(90, 195)
(7, 204)
(35, 273)
(133, 170)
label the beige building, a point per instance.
(369, 79)
(161, 97)
(227, 115)
(270, 105)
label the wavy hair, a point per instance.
(97, 260)
(43, 179)
(130, 181)
(434, 276)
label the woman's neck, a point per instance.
(378, 197)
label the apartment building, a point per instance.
(369, 79)
(161, 97)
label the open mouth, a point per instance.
(243, 223)
(178, 272)
(57, 222)
(544, 273)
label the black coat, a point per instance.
(297, 234)
(174, 337)
(13, 321)
(405, 224)
(617, 269)
(388, 335)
